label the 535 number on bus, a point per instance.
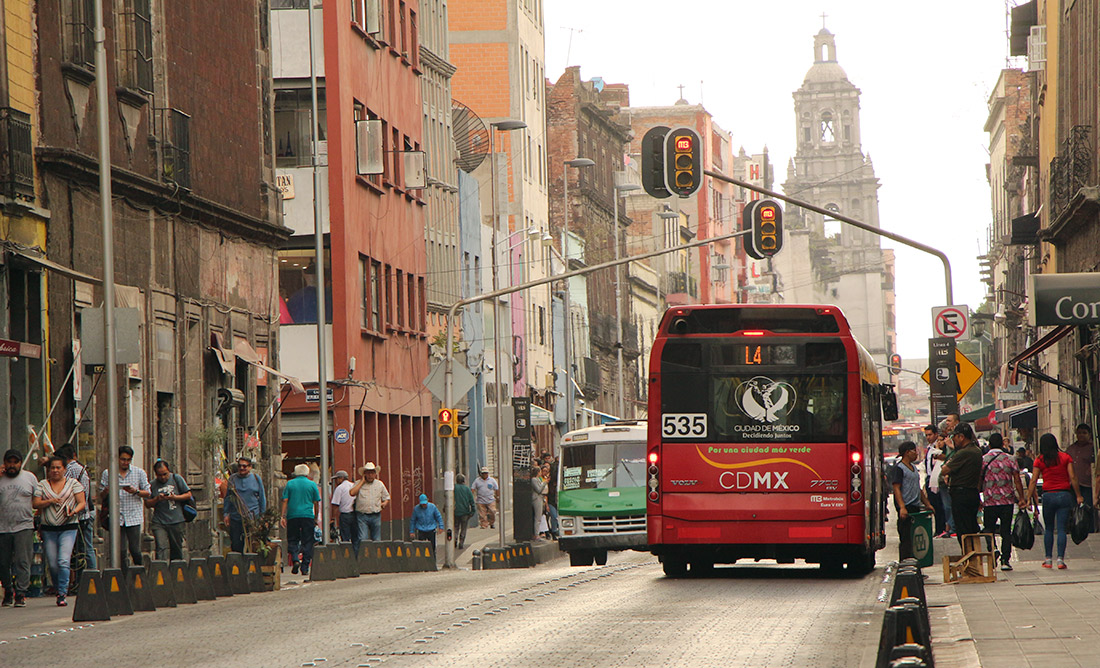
(684, 425)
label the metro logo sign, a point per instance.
(683, 144)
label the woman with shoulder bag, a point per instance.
(1056, 469)
(59, 500)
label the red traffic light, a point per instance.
(683, 144)
(767, 213)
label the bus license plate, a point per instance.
(684, 425)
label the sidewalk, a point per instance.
(1032, 616)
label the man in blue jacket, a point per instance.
(248, 486)
(426, 522)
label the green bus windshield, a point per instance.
(603, 465)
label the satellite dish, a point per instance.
(470, 135)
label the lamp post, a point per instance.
(619, 188)
(569, 398)
(501, 452)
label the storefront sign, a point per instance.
(1065, 299)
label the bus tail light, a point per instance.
(653, 483)
(857, 475)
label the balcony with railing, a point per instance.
(174, 132)
(1071, 170)
(17, 164)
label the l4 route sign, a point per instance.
(966, 372)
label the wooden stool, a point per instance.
(976, 564)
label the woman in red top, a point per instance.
(1056, 469)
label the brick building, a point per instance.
(583, 120)
(373, 205)
(196, 228)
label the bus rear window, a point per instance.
(776, 320)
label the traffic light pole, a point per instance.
(845, 219)
(448, 360)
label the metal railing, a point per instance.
(1071, 169)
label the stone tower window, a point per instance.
(828, 133)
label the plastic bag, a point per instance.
(1082, 522)
(1023, 532)
(1037, 526)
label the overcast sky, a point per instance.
(925, 73)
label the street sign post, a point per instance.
(966, 372)
(951, 322)
(943, 380)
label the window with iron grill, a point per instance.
(136, 45)
(17, 164)
(79, 33)
(175, 134)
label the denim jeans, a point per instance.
(169, 541)
(87, 542)
(948, 516)
(59, 549)
(1056, 506)
(370, 526)
(553, 518)
(299, 538)
(349, 530)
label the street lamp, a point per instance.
(569, 398)
(619, 188)
(504, 126)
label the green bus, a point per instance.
(601, 491)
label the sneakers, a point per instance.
(1061, 565)
(1006, 566)
(294, 568)
(9, 597)
(305, 569)
(61, 603)
(20, 601)
(1046, 563)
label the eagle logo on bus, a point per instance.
(764, 399)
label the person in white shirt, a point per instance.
(371, 498)
(343, 509)
(486, 494)
(933, 460)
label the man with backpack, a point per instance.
(1001, 491)
(167, 494)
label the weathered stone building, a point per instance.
(196, 226)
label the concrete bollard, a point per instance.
(118, 599)
(137, 583)
(181, 582)
(238, 576)
(160, 585)
(91, 599)
(201, 580)
(219, 577)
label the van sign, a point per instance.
(1065, 299)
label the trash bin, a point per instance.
(921, 526)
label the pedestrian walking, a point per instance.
(538, 500)
(167, 493)
(426, 521)
(133, 487)
(86, 518)
(552, 493)
(16, 528)
(1001, 491)
(963, 472)
(1056, 469)
(301, 505)
(244, 497)
(908, 496)
(464, 509)
(59, 500)
(343, 509)
(486, 494)
(371, 498)
(1083, 456)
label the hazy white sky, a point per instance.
(925, 72)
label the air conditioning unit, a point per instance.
(415, 175)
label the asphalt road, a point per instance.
(623, 614)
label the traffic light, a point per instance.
(446, 426)
(459, 423)
(653, 162)
(895, 363)
(747, 225)
(767, 228)
(683, 161)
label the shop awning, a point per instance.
(1019, 416)
(541, 416)
(1049, 339)
(227, 359)
(53, 266)
(604, 417)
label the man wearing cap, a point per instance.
(301, 504)
(343, 509)
(16, 528)
(246, 486)
(426, 521)
(486, 493)
(371, 498)
(963, 472)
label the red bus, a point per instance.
(765, 439)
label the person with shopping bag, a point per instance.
(1056, 469)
